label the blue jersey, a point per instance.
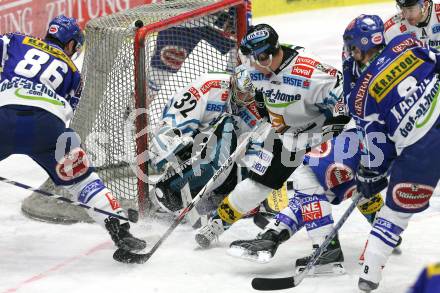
(394, 101)
(334, 164)
(36, 73)
(428, 281)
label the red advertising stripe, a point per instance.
(32, 16)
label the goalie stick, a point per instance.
(121, 255)
(268, 284)
(130, 257)
(133, 215)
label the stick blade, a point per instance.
(266, 284)
(125, 256)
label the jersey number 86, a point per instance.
(32, 63)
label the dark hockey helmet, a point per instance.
(65, 29)
(260, 39)
(364, 32)
(409, 3)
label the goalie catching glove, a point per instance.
(166, 145)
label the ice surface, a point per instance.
(49, 258)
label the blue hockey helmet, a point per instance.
(65, 29)
(364, 32)
(260, 39)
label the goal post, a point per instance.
(135, 60)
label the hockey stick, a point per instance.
(130, 257)
(133, 215)
(268, 284)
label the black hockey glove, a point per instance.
(370, 182)
(335, 125)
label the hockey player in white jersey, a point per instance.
(326, 178)
(39, 89)
(199, 131)
(421, 18)
(299, 94)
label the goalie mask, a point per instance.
(243, 91)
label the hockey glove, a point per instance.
(335, 125)
(166, 144)
(370, 182)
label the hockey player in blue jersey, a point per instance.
(394, 103)
(428, 280)
(40, 88)
(326, 178)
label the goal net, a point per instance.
(134, 62)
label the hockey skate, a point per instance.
(121, 235)
(329, 263)
(210, 232)
(262, 249)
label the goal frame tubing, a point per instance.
(141, 89)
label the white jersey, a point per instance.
(428, 31)
(198, 106)
(300, 95)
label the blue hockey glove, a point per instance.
(370, 182)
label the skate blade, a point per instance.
(261, 257)
(333, 269)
